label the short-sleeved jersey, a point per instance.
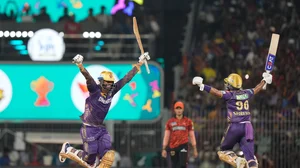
(179, 131)
(238, 109)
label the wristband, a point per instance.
(207, 88)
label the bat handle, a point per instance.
(265, 85)
(147, 67)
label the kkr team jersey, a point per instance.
(238, 105)
(97, 104)
(179, 131)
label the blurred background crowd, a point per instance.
(223, 37)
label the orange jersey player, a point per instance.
(178, 130)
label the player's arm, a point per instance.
(199, 81)
(267, 78)
(192, 138)
(91, 84)
(122, 82)
(166, 140)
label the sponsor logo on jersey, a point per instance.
(242, 97)
(102, 100)
(179, 128)
(173, 124)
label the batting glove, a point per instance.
(78, 59)
(267, 77)
(198, 81)
(144, 57)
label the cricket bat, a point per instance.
(139, 41)
(271, 55)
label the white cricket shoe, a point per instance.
(64, 150)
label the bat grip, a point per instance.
(265, 85)
(147, 67)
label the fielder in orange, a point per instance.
(178, 129)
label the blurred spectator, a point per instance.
(71, 27)
(65, 17)
(125, 161)
(154, 25)
(104, 19)
(43, 16)
(26, 15)
(158, 160)
(24, 158)
(4, 160)
(14, 158)
(117, 159)
(91, 17)
(11, 17)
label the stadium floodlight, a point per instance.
(92, 34)
(12, 34)
(1, 33)
(18, 34)
(24, 34)
(6, 34)
(85, 34)
(98, 34)
(30, 34)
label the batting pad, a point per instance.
(107, 160)
(225, 157)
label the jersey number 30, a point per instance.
(242, 105)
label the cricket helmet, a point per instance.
(106, 76)
(234, 80)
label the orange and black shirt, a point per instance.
(179, 129)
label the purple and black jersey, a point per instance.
(238, 105)
(98, 103)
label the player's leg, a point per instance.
(107, 156)
(247, 147)
(79, 156)
(174, 158)
(85, 157)
(183, 156)
(230, 138)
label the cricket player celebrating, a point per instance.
(178, 129)
(95, 137)
(240, 129)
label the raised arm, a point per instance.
(199, 81)
(267, 78)
(259, 87)
(122, 82)
(90, 82)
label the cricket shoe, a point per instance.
(63, 151)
